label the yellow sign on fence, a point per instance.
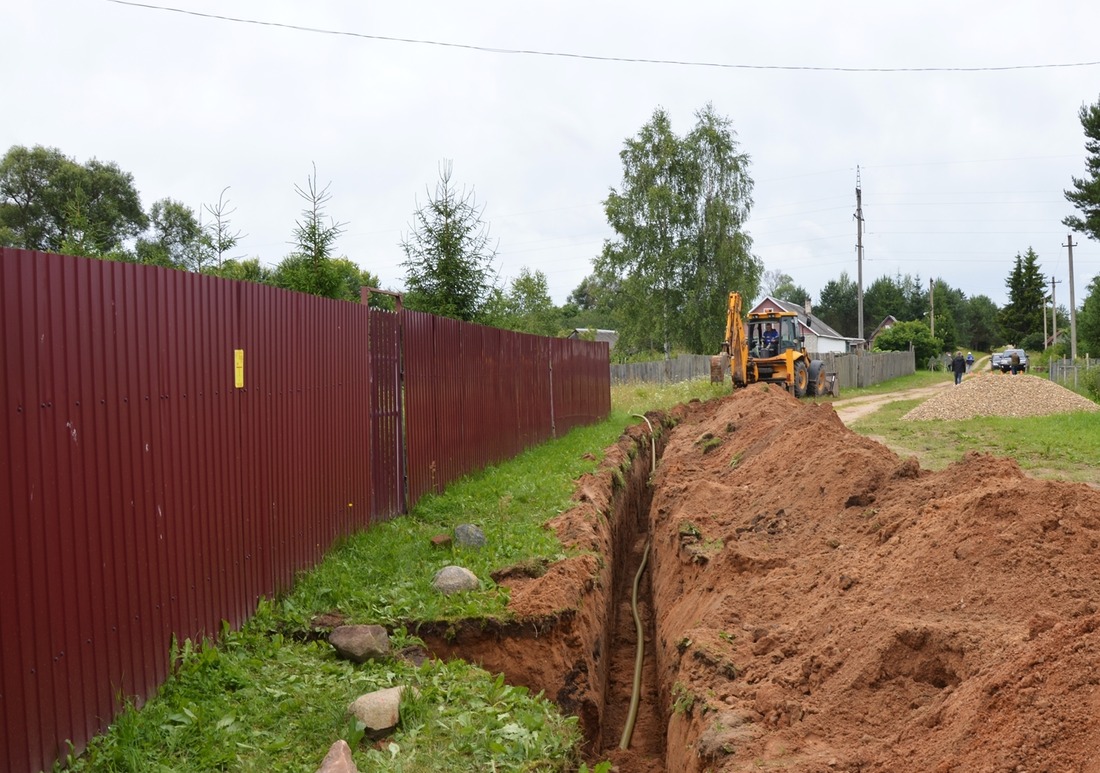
(238, 368)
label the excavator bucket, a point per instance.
(719, 365)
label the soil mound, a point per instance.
(823, 605)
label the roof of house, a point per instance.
(889, 321)
(609, 336)
(815, 325)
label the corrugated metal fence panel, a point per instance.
(477, 395)
(582, 382)
(421, 379)
(532, 392)
(387, 444)
(147, 496)
(315, 434)
(95, 514)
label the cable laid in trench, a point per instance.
(639, 656)
(652, 442)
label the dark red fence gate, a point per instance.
(174, 447)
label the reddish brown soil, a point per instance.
(819, 604)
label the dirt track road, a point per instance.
(857, 407)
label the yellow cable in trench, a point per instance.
(652, 441)
(638, 657)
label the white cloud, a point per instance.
(960, 170)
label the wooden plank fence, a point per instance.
(852, 370)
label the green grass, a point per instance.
(383, 575)
(259, 703)
(1062, 446)
(263, 701)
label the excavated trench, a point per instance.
(574, 638)
(812, 603)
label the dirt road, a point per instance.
(855, 408)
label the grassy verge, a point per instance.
(263, 701)
(1062, 447)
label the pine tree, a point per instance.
(1085, 195)
(448, 260)
(1023, 315)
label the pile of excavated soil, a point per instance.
(1000, 395)
(823, 605)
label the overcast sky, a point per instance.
(960, 170)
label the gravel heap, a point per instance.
(995, 394)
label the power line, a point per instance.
(597, 58)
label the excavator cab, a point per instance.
(770, 338)
(767, 348)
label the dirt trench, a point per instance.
(815, 603)
(574, 638)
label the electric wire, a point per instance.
(600, 58)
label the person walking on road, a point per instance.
(958, 367)
(969, 361)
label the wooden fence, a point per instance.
(852, 370)
(682, 368)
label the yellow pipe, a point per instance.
(639, 656)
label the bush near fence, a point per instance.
(1081, 375)
(852, 370)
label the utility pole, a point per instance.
(859, 251)
(1045, 339)
(1053, 312)
(1072, 305)
(932, 304)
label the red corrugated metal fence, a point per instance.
(146, 492)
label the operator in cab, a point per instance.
(771, 338)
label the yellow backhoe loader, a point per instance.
(768, 348)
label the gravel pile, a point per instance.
(995, 394)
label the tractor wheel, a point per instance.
(817, 378)
(801, 379)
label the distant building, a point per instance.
(595, 334)
(886, 324)
(820, 338)
(1053, 339)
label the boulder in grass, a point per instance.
(467, 535)
(379, 711)
(360, 643)
(338, 759)
(452, 579)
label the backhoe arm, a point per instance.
(736, 343)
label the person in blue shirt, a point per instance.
(969, 361)
(770, 334)
(771, 338)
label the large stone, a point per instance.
(452, 579)
(467, 535)
(360, 642)
(379, 711)
(338, 759)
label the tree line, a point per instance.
(679, 245)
